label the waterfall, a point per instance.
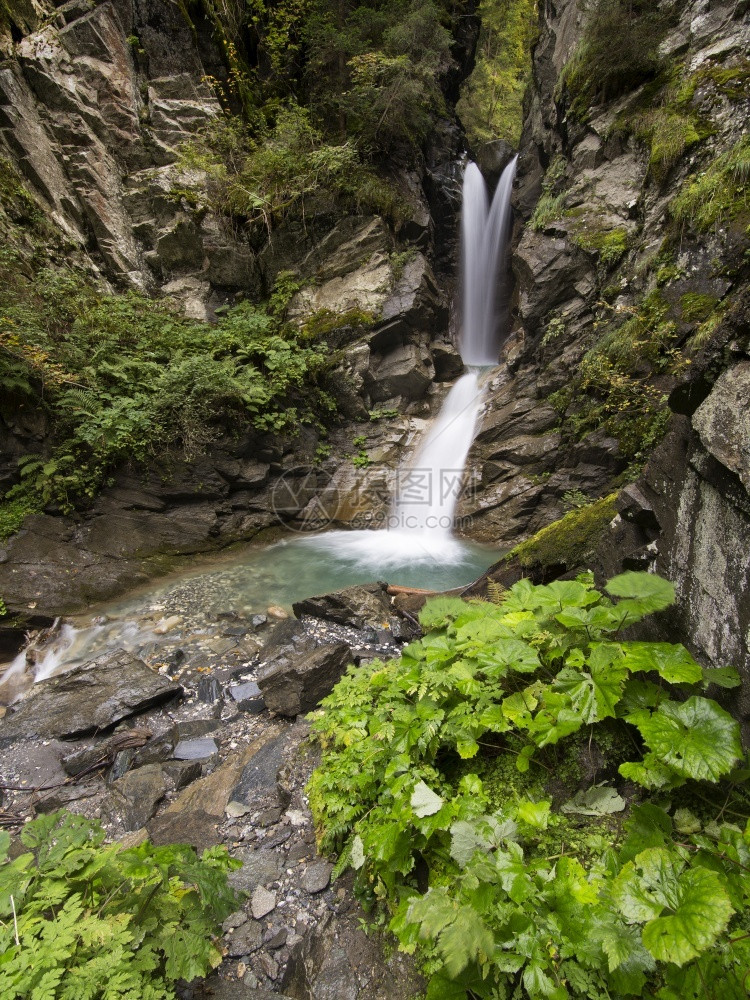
(484, 240)
(428, 491)
(420, 526)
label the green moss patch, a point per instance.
(610, 245)
(570, 541)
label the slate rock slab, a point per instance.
(296, 677)
(88, 699)
(360, 606)
(134, 798)
(194, 827)
(258, 784)
(248, 697)
(200, 749)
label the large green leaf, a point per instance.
(684, 909)
(440, 610)
(511, 654)
(599, 800)
(672, 662)
(424, 801)
(696, 738)
(595, 693)
(650, 592)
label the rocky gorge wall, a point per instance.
(631, 328)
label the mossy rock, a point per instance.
(570, 541)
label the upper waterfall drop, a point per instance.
(484, 239)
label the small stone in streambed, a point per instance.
(267, 817)
(262, 903)
(258, 621)
(245, 940)
(234, 920)
(168, 624)
(248, 697)
(278, 613)
(195, 749)
(208, 690)
(317, 877)
(236, 809)
(276, 939)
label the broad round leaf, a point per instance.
(424, 801)
(696, 738)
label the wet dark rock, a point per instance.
(215, 988)
(182, 772)
(248, 697)
(276, 939)
(258, 783)
(245, 940)
(192, 826)
(296, 678)
(89, 698)
(360, 607)
(208, 690)
(337, 961)
(134, 798)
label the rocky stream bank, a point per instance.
(202, 739)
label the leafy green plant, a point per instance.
(509, 887)
(362, 459)
(79, 918)
(549, 208)
(383, 414)
(121, 375)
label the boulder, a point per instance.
(257, 785)
(134, 798)
(297, 675)
(415, 302)
(88, 699)
(365, 606)
(493, 157)
(406, 371)
(723, 421)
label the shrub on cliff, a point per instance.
(618, 51)
(121, 376)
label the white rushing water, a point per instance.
(485, 229)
